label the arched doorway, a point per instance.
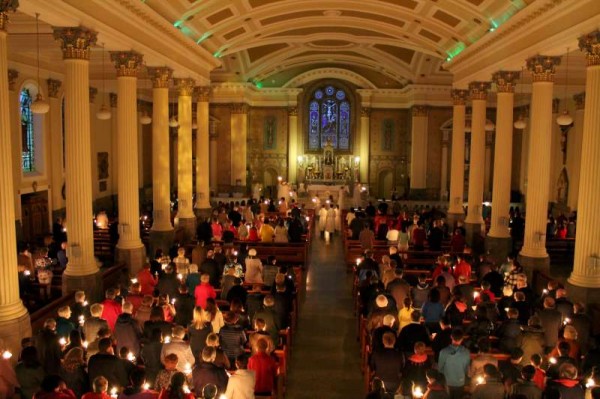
(385, 184)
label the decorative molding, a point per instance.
(127, 63)
(330, 73)
(505, 80)
(555, 105)
(479, 90)
(579, 100)
(239, 108)
(5, 7)
(420, 111)
(365, 112)
(75, 42)
(459, 96)
(202, 93)
(13, 75)
(542, 67)
(53, 87)
(185, 86)
(160, 76)
(590, 45)
(292, 111)
(93, 92)
(113, 99)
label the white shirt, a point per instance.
(241, 385)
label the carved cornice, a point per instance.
(479, 90)
(590, 45)
(160, 76)
(365, 112)
(505, 81)
(420, 110)
(459, 96)
(5, 7)
(579, 100)
(93, 92)
(185, 86)
(13, 75)
(53, 87)
(555, 105)
(202, 93)
(113, 99)
(542, 67)
(75, 42)
(127, 63)
(293, 111)
(239, 108)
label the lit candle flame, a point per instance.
(27, 273)
(146, 386)
(6, 355)
(480, 380)
(188, 369)
(167, 339)
(134, 281)
(186, 389)
(85, 344)
(114, 392)
(417, 392)
(81, 320)
(62, 341)
(475, 295)
(553, 360)
(173, 301)
(180, 276)
(131, 357)
(567, 320)
(85, 303)
(590, 383)
(545, 291)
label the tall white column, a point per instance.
(185, 210)
(114, 143)
(56, 145)
(239, 134)
(365, 143)
(14, 319)
(202, 149)
(444, 174)
(478, 93)
(213, 156)
(293, 141)
(457, 164)
(586, 266)
(556, 156)
(525, 135)
(17, 168)
(82, 271)
(533, 254)
(418, 149)
(487, 177)
(574, 139)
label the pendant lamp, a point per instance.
(104, 113)
(39, 106)
(520, 122)
(565, 119)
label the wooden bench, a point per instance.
(49, 311)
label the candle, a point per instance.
(480, 380)
(188, 369)
(417, 392)
(134, 281)
(186, 389)
(113, 392)
(173, 301)
(146, 386)
(6, 355)
(475, 295)
(85, 344)
(82, 320)
(552, 360)
(590, 383)
(131, 357)
(62, 341)
(545, 291)
(307, 219)
(180, 276)
(167, 339)
(27, 273)
(567, 321)
(357, 261)
(85, 303)
(223, 396)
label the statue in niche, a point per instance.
(562, 187)
(328, 153)
(270, 131)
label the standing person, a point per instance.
(254, 268)
(30, 372)
(338, 218)
(176, 389)
(454, 363)
(50, 351)
(329, 223)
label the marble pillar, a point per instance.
(533, 255)
(202, 152)
(56, 149)
(474, 219)
(526, 133)
(444, 174)
(14, 318)
(556, 156)
(14, 107)
(498, 241)
(585, 277)
(293, 145)
(457, 164)
(365, 138)
(239, 150)
(213, 134)
(574, 151)
(114, 144)
(418, 152)
(487, 176)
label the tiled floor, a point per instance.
(326, 359)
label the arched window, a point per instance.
(27, 133)
(329, 119)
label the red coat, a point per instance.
(462, 269)
(147, 281)
(166, 394)
(94, 395)
(136, 301)
(203, 292)
(265, 369)
(110, 313)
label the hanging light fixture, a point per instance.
(173, 122)
(565, 119)
(39, 106)
(145, 119)
(103, 113)
(489, 126)
(520, 122)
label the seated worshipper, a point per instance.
(147, 280)
(107, 365)
(483, 357)
(136, 389)
(99, 389)
(242, 382)
(232, 337)
(206, 372)
(254, 268)
(526, 387)
(265, 369)
(127, 331)
(204, 291)
(509, 332)
(177, 388)
(184, 306)
(387, 363)
(382, 308)
(163, 379)
(389, 325)
(414, 373)
(492, 386)
(179, 347)
(221, 359)
(565, 385)
(413, 333)
(261, 334)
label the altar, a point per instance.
(328, 168)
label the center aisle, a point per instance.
(325, 357)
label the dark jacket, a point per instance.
(564, 389)
(509, 334)
(128, 333)
(211, 267)
(197, 338)
(493, 388)
(49, 350)
(207, 373)
(92, 326)
(184, 306)
(150, 355)
(531, 341)
(387, 364)
(411, 334)
(526, 388)
(168, 284)
(110, 367)
(64, 327)
(551, 322)
(77, 380)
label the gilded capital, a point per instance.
(13, 75)
(239, 108)
(5, 7)
(127, 63)
(459, 96)
(293, 111)
(542, 67)
(365, 112)
(420, 110)
(202, 93)
(579, 100)
(112, 97)
(53, 87)
(93, 92)
(185, 86)
(505, 81)
(75, 42)
(160, 76)
(555, 105)
(590, 45)
(479, 90)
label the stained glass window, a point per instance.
(329, 119)
(27, 137)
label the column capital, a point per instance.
(365, 112)
(579, 100)
(292, 111)
(239, 108)
(112, 97)
(75, 42)
(53, 87)
(478, 90)
(555, 105)
(590, 45)
(505, 80)
(420, 110)
(185, 86)
(203, 93)
(127, 63)
(160, 76)
(93, 92)
(5, 7)
(542, 67)
(13, 75)
(459, 96)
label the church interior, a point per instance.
(150, 114)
